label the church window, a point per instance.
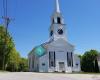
(76, 64)
(58, 20)
(51, 59)
(43, 64)
(53, 21)
(72, 58)
(69, 60)
(54, 59)
(29, 62)
(51, 33)
(33, 62)
(51, 63)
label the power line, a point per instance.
(6, 24)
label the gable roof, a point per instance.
(59, 42)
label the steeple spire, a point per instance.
(57, 6)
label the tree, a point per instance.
(96, 66)
(9, 57)
(88, 61)
(6, 45)
(13, 61)
(23, 65)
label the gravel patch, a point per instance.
(46, 76)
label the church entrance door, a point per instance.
(61, 67)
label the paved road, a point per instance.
(47, 76)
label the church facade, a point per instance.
(57, 54)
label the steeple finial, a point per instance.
(57, 6)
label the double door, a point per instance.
(61, 66)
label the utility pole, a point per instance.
(6, 24)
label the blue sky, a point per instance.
(32, 21)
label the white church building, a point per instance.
(57, 54)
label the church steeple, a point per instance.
(57, 16)
(57, 6)
(57, 28)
